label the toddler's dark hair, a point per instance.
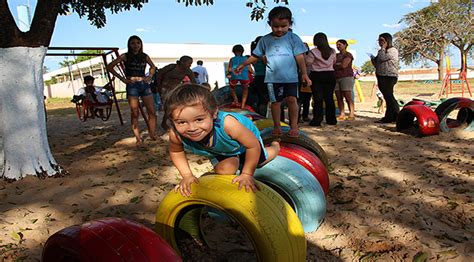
(88, 78)
(238, 49)
(189, 95)
(280, 12)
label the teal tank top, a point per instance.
(222, 144)
(244, 74)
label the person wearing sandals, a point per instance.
(283, 51)
(344, 80)
(138, 84)
(242, 77)
(321, 60)
(386, 71)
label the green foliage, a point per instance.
(367, 68)
(81, 58)
(66, 63)
(95, 10)
(429, 31)
(84, 58)
(52, 81)
(258, 6)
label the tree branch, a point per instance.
(8, 28)
(43, 23)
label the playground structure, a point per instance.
(449, 85)
(107, 51)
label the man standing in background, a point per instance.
(202, 76)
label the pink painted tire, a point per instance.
(236, 107)
(308, 160)
(108, 239)
(426, 120)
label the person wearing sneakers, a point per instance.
(344, 80)
(386, 70)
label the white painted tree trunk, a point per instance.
(22, 123)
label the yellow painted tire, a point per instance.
(269, 222)
(264, 123)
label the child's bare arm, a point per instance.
(302, 65)
(250, 60)
(245, 137)
(229, 69)
(178, 157)
(152, 69)
(111, 69)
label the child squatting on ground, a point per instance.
(283, 51)
(232, 139)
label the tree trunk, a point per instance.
(23, 126)
(463, 60)
(441, 67)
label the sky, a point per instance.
(228, 22)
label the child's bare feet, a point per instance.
(139, 142)
(276, 131)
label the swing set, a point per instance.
(84, 108)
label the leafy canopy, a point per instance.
(258, 6)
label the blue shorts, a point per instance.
(282, 90)
(137, 89)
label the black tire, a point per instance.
(302, 140)
(464, 116)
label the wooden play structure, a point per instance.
(459, 85)
(108, 53)
(62, 51)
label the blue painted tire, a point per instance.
(298, 187)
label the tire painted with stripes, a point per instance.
(268, 220)
(237, 107)
(426, 120)
(302, 140)
(248, 113)
(108, 239)
(309, 161)
(464, 116)
(265, 123)
(299, 187)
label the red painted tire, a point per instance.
(415, 102)
(236, 106)
(303, 140)
(426, 120)
(465, 114)
(308, 160)
(108, 239)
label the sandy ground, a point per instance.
(393, 196)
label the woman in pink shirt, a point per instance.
(321, 60)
